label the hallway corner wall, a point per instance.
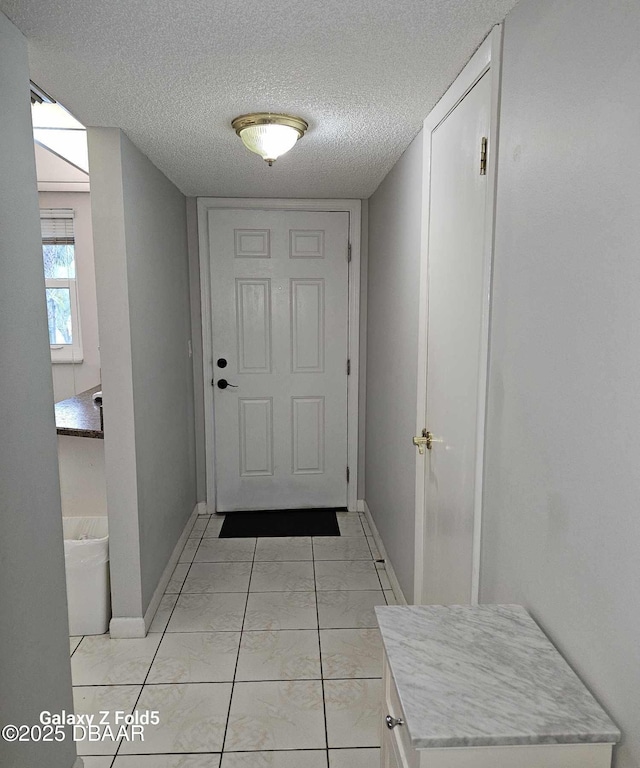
(142, 271)
(34, 663)
(395, 220)
(561, 527)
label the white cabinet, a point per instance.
(395, 745)
(83, 489)
(483, 687)
(389, 756)
(396, 750)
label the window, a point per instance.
(58, 253)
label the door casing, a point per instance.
(209, 352)
(487, 59)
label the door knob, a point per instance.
(223, 384)
(425, 439)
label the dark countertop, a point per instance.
(79, 416)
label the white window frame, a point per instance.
(69, 354)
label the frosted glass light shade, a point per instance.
(269, 141)
(269, 136)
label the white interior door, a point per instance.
(279, 296)
(456, 287)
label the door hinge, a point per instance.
(483, 156)
(348, 367)
(348, 474)
(349, 253)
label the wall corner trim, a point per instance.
(395, 584)
(126, 628)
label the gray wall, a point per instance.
(392, 343)
(34, 663)
(142, 270)
(562, 527)
(158, 269)
(107, 204)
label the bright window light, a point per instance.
(57, 130)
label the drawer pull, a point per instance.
(393, 721)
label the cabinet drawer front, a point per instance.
(527, 756)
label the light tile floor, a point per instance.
(264, 653)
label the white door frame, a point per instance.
(486, 59)
(353, 208)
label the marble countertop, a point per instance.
(79, 416)
(485, 676)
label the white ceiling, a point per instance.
(174, 73)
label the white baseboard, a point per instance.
(360, 505)
(169, 569)
(202, 508)
(127, 628)
(395, 584)
(79, 763)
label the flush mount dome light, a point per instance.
(269, 135)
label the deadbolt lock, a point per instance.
(425, 440)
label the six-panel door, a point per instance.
(279, 294)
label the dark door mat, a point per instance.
(281, 522)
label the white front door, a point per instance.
(279, 296)
(456, 287)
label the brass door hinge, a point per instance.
(348, 367)
(349, 253)
(483, 156)
(348, 474)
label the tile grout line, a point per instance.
(235, 670)
(77, 646)
(200, 538)
(374, 560)
(324, 701)
(375, 564)
(162, 634)
(373, 557)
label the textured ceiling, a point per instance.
(174, 73)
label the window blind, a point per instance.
(57, 226)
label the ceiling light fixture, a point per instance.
(269, 135)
